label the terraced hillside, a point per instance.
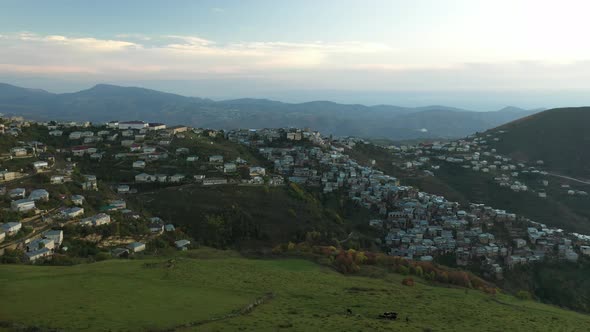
(560, 137)
(206, 290)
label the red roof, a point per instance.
(80, 148)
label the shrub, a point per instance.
(523, 295)
(403, 270)
(408, 282)
(102, 256)
(419, 272)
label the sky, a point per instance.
(465, 53)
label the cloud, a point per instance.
(217, 10)
(86, 43)
(308, 64)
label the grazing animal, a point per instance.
(348, 311)
(389, 315)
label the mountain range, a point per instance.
(109, 102)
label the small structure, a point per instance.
(57, 236)
(229, 168)
(11, 228)
(216, 159)
(123, 189)
(73, 212)
(96, 220)
(23, 205)
(139, 164)
(39, 195)
(136, 247)
(40, 165)
(137, 125)
(17, 193)
(77, 200)
(182, 244)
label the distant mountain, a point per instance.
(560, 137)
(107, 102)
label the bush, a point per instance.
(523, 295)
(102, 256)
(408, 282)
(403, 270)
(419, 272)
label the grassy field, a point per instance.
(201, 285)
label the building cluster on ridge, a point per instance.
(415, 225)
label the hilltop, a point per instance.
(559, 137)
(105, 102)
(206, 290)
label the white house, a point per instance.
(56, 133)
(17, 193)
(139, 164)
(257, 171)
(136, 246)
(75, 135)
(37, 254)
(39, 165)
(123, 189)
(144, 177)
(229, 167)
(77, 199)
(96, 220)
(177, 178)
(132, 125)
(182, 244)
(57, 236)
(18, 152)
(12, 228)
(156, 126)
(149, 149)
(72, 212)
(57, 179)
(38, 244)
(39, 195)
(216, 159)
(23, 205)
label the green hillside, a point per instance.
(251, 215)
(206, 290)
(560, 137)
(456, 184)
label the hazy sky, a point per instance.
(343, 50)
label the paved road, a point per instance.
(569, 178)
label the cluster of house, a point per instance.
(39, 243)
(475, 153)
(423, 226)
(13, 125)
(419, 225)
(261, 137)
(415, 225)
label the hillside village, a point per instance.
(67, 179)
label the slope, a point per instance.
(191, 291)
(560, 137)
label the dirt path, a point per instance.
(569, 178)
